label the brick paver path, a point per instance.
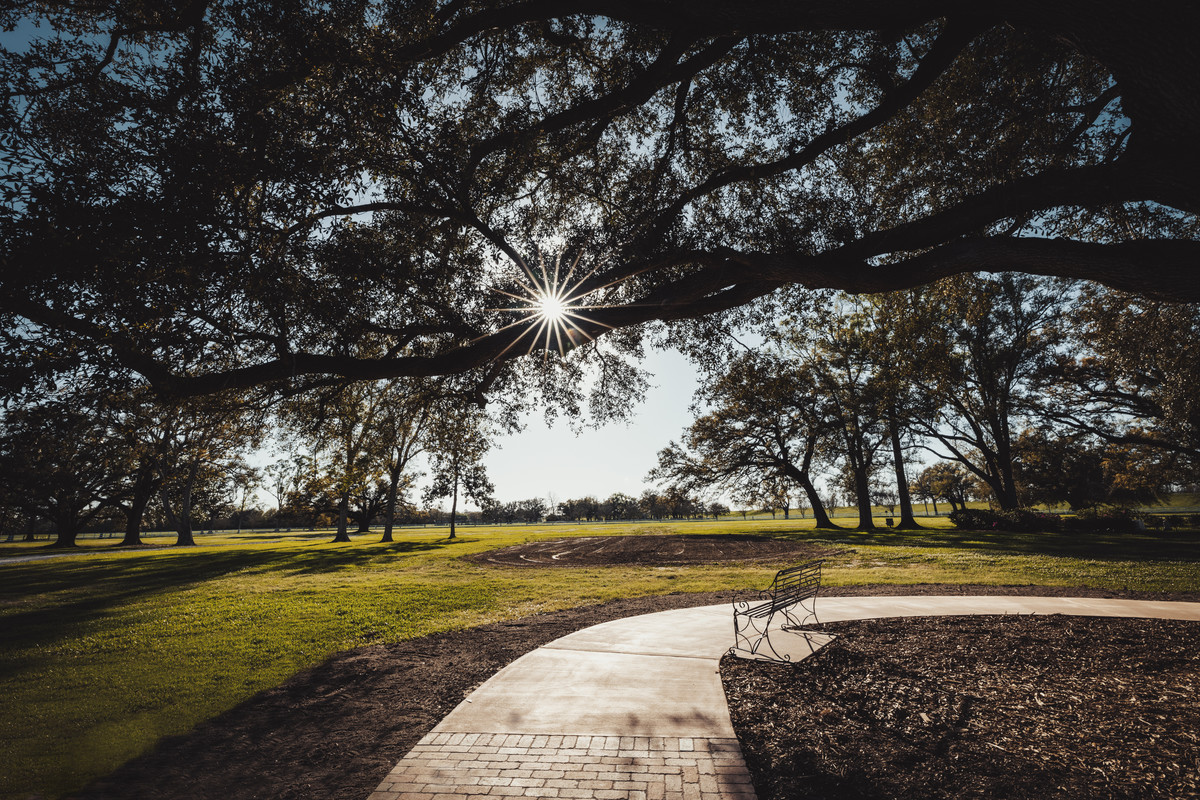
(476, 765)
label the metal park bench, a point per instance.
(788, 594)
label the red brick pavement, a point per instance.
(465, 766)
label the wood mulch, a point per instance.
(335, 730)
(980, 707)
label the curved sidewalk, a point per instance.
(633, 709)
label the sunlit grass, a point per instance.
(105, 652)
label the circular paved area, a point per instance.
(634, 709)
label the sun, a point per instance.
(550, 309)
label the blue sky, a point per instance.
(541, 460)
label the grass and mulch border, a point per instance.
(336, 730)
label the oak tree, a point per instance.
(224, 194)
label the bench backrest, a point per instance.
(799, 582)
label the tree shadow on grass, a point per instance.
(92, 587)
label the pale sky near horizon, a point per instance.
(615, 458)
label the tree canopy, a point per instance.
(229, 194)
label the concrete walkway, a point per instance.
(634, 709)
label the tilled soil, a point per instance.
(980, 707)
(651, 550)
(334, 731)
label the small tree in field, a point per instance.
(458, 441)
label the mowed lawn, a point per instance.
(103, 653)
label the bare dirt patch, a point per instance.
(981, 707)
(652, 550)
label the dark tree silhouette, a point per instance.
(232, 194)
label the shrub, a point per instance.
(1020, 520)
(1105, 518)
(974, 519)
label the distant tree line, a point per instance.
(94, 454)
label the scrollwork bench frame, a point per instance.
(793, 594)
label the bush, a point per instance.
(1020, 520)
(1100, 518)
(974, 519)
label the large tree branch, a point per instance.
(187, 17)
(663, 72)
(945, 49)
(729, 283)
(1086, 186)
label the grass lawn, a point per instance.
(103, 653)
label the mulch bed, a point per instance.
(334, 731)
(651, 550)
(981, 707)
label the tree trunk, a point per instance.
(65, 538)
(814, 500)
(907, 520)
(343, 535)
(143, 490)
(800, 475)
(1006, 491)
(67, 531)
(862, 491)
(185, 536)
(184, 521)
(453, 504)
(866, 512)
(389, 511)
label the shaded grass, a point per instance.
(102, 654)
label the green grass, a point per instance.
(103, 653)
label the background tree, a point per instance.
(922, 488)
(400, 429)
(316, 498)
(901, 348)
(621, 506)
(836, 343)
(60, 462)
(949, 481)
(245, 481)
(459, 438)
(281, 480)
(200, 441)
(766, 420)
(1082, 471)
(1128, 373)
(339, 425)
(992, 339)
(137, 418)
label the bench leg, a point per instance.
(757, 639)
(796, 620)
